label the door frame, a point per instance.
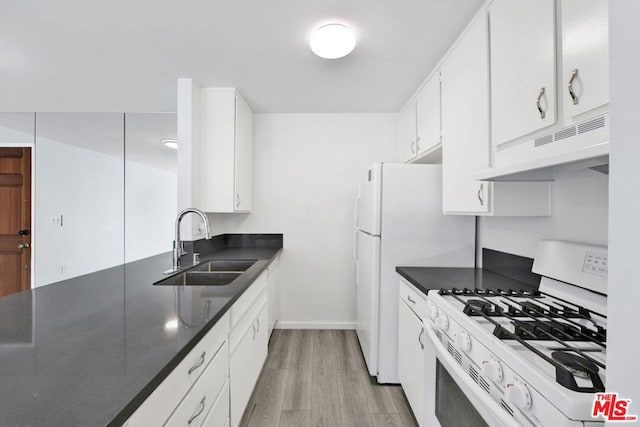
(34, 249)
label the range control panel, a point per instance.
(596, 263)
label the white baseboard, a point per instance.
(315, 325)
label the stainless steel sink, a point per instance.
(225, 265)
(201, 278)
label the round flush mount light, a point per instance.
(171, 143)
(332, 41)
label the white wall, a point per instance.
(87, 188)
(306, 169)
(579, 203)
(623, 351)
(150, 210)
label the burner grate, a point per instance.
(549, 321)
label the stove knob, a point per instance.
(518, 394)
(463, 341)
(492, 369)
(432, 311)
(442, 322)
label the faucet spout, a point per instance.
(178, 251)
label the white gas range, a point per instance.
(511, 357)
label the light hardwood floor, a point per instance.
(318, 378)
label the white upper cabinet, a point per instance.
(465, 138)
(428, 116)
(407, 132)
(226, 151)
(465, 122)
(585, 55)
(523, 93)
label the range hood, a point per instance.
(578, 146)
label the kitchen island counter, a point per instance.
(89, 350)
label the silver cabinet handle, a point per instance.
(237, 200)
(23, 246)
(420, 335)
(574, 97)
(480, 194)
(199, 362)
(199, 411)
(410, 299)
(413, 147)
(540, 110)
(417, 145)
(258, 327)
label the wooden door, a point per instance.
(15, 220)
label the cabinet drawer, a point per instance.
(201, 398)
(243, 303)
(218, 416)
(164, 399)
(413, 298)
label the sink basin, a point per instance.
(225, 265)
(201, 278)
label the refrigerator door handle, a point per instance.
(355, 212)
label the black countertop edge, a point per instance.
(426, 279)
(139, 399)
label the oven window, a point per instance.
(453, 409)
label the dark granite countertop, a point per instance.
(87, 351)
(429, 278)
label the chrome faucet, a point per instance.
(178, 250)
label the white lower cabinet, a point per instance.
(247, 357)
(212, 385)
(218, 416)
(411, 342)
(201, 398)
(273, 293)
(201, 374)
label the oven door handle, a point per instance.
(465, 382)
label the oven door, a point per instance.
(452, 398)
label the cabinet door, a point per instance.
(411, 358)
(243, 156)
(585, 55)
(428, 115)
(407, 132)
(246, 362)
(522, 67)
(465, 123)
(273, 294)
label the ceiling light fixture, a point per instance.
(171, 143)
(332, 41)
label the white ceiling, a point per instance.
(123, 55)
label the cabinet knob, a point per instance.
(574, 97)
(540, 110)
(23, 246)
(201, 407)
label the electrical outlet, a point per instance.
(56, 221)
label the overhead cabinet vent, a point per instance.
(590, 125)
(571, 131)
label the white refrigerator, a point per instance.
(399, 221)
